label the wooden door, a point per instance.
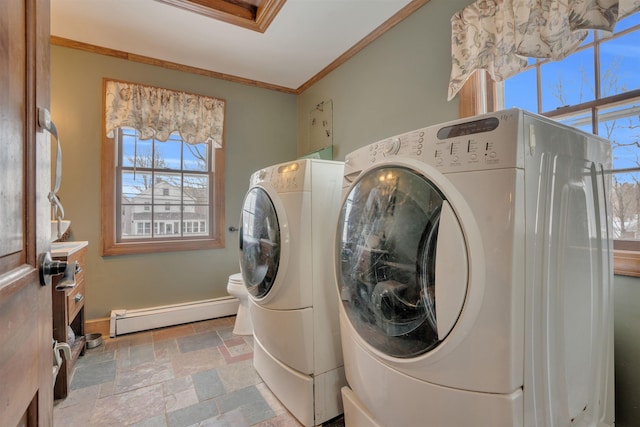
(26, 355)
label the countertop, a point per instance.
(64, 249)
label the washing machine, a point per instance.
(286, 257)
(473, 262)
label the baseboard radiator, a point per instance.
(127, 321)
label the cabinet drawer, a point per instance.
(68, 310)
(75, 299)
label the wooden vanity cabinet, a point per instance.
(68, 312)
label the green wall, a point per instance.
(397, 83)
(626, 292)
(260, 130)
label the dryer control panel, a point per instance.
(284, 177)
(486, 142)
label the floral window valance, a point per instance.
(499, 35)
(156, 113)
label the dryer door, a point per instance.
(259, 242)
(402, 267)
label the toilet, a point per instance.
(236, 288)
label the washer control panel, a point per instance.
(488, 142)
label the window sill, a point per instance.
(626, 263)
(128, 248)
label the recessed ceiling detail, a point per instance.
(255, 15)
(307, 40)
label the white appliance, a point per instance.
(286, 239)
(473, 262)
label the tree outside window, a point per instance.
(164, 192)
(162, 168)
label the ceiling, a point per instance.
(305, 40)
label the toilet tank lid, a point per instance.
(237, 278)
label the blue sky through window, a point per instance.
(572, 81)
(170, 155)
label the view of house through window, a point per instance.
(164, 188)
(162, 170)
(596, 89)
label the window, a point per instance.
(158, 186)
(597, 90)
(162, 170)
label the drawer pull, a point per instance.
(78, 297)
(78, 268)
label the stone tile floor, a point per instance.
(198, 374)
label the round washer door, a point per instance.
(401, 261)
(259, 242)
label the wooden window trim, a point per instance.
(626, 263)
(476, 97)
(109, 245)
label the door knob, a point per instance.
(49, 267)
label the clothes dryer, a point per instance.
(286, 239)
(473, 264)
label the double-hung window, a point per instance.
(595, 89)
(160, 194)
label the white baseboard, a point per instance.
(127, 321)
